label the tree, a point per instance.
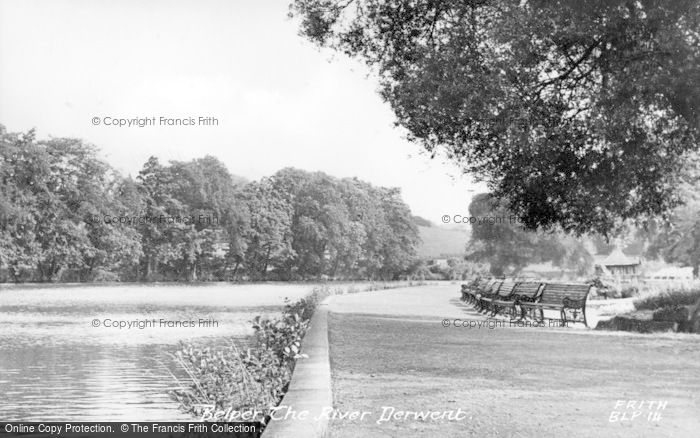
(20, 161)
(494, 240)
(53, 195)
(153, 185)
(214, 238)
(578, 113)
(318, 220)
(195, 222)
(499, 240)
(269, 237)
(678, 239)
(398, 235)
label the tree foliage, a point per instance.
(578, 113)
(49, 192)
(497, 239)
(65, 215)
(678, 239)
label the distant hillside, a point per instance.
(421, 222)
(439, 242)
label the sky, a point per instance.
(278, 99)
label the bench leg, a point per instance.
(541, 317)
(516, 312)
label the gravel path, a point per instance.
(390, 352)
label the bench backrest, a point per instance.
(554, 293)
(528, 289)
(472, 284)
(493, 287)
(486, 286)
(507, 288)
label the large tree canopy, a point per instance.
(578, 113)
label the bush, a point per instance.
(668, 299)
(629, 292)
(252, 380)
(621, 323)
(674, 313)
(102, 276)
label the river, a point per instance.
(64, 356)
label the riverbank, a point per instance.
(254, 380)
(391, 351)
(369, 284)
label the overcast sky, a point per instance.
(279, 101)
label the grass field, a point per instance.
(510, 382)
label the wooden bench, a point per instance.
(523, 292)
(469, 289)
(568, 299)
(486, 294)
(476, 287)
(505, 291)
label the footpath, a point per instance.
(417, 362)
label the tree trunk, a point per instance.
(267, 261)
(235, 270)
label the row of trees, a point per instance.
(65, 215)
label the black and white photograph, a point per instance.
(350, 218)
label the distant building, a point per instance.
(619, 265)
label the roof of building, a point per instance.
(618, 258)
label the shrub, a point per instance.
(230, 378)
(675, 314)
(668, 299)
(635, 325)
(102, 276)
(252, 380)
(629, 292)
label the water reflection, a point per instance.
(56, 366)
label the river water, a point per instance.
(63, 356)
